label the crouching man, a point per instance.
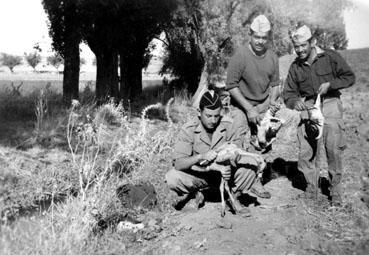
(196, 143)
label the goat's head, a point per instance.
(267, 130)
(316, 117)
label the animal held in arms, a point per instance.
(269, 127)
(316, 116)
(229, 153)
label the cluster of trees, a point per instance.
(200, 36)
(117, 31)
(33, 59)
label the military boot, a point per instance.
(259, 190)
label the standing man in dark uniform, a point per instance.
(317, 71)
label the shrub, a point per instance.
(11, 61)
(55, 60)
(33, 59)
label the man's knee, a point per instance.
(244, 178)
(172, 178)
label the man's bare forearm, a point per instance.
(274, 95)
(240, 99)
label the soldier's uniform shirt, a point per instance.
(303, 82)
(193, 140)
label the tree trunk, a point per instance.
(136, 73)
(71, 71)
(203, 86)
(131, 75)
(124, 89)
(106, 75)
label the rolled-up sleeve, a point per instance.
(290, 92)
(183, 145)
(234, 71)
(345, 77)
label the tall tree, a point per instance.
(101, 29)
(143, 20)
(10, 61)
(206, 31)
(33, 59)
(65, 30)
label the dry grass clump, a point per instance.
(29, 183)
(103, 144)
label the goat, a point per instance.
(316, 116)
(268, 128)
(229, 153)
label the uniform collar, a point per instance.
(218, 134)
(319, 53)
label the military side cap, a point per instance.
(260, 24)
(210, 100)
(301, 34)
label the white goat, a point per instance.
(229, 153)
(316, 115)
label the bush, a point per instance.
(33, 59)
(55, 60)
(11, 61)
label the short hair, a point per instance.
(210, 100)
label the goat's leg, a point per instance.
(235, 205)
(221, 188)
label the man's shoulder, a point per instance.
(272, 53)
(295, 63)
(332, 54)
(242, 50)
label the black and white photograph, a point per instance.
(184, 127)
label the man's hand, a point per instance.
(253, 117)
(224, 170)
(323, 89)
(207, 157)
(274, 106)
(300, 106)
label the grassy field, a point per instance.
(60, 169)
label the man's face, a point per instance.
(210, 118)
(302, 49)
(259, 41)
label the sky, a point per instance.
(24, 23)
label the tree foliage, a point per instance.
(33, 59)
(55, 60)
(10, 61)
(204, 33)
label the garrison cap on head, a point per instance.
(260, 24)
(301, 34)
(210, 100)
